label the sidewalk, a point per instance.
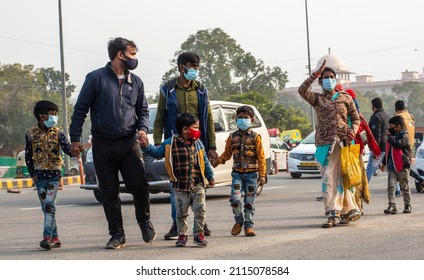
(27, 183)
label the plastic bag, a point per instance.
(351, 168)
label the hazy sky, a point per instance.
(375, 37)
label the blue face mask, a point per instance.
(130, 63)
(191, 74)
(51, 122)
(328, 84)
(244, 124)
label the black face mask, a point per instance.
(130, 63)
(392, 130)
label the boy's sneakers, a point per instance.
(147, 231)
(407, 209)
(200, 240)
(249, 232)
(116, 242)
(173, 233)
(391, 210)
(236, 229)
(182, 241)
(46, 243)
(55, 243)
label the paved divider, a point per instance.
(27, 183)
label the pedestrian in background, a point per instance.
(379, 125)
(43, 158)
(188, 168)
(398, 163)
(115, 98)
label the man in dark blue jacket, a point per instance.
(119, 118)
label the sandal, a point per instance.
(331, 222)
(344, 221)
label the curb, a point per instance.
(27, 183)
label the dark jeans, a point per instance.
(126, 157)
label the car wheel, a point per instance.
(419, 187)
(98, 195)
(260, 189)
(272, 169)
(296, 175)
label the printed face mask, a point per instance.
(328, 84)
(191, 74)
(51, 122)
(193, 134)
(244, 124)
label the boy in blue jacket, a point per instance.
(398, 164)
(188, 168)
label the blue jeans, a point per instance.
(373, 164)
(47, 190)
(248, 184)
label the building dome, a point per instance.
(334, 62)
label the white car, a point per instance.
(302, 158)
(419, 165)
(224, 116)
(279, 154)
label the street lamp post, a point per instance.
(309, 59)
(62, 69)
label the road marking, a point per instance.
(278, 187)
(60, 206)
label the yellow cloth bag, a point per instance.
(351, 167)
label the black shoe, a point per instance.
(173, 233)
(148, 232)
(207, 231)
(407, 209)
(46, 243)
(390, 210)
(116, 242)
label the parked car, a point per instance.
(279, 154)
(302, 158)
(224, 116)
(419, 165)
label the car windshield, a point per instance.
(152, 115)
(310, 139)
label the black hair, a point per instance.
(377, 103)
(397, 120)
(185, 119)
(399, 105)
(43, 107)
(246, 109)
(326, 69)
(187, 57)
(118, 44)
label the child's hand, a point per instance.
(143, 142)
(383, 168)
(261, 181)
(213, 162)
(211, 182)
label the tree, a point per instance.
(226, 68)
(413, 95)
(20, 88)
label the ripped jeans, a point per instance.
(47, 190)
(246, 183)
